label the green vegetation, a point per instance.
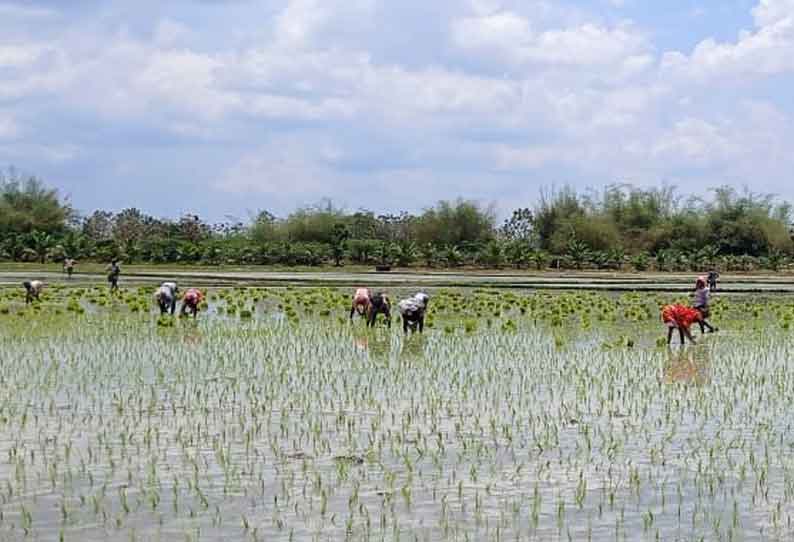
(622, 228)
(516, 416)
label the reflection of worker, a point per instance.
(374, 347)
(361, 342)
(690, 366)
(414, 350)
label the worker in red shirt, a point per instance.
(191, 301)
(680, 317)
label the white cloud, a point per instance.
(507, 35)
(31, 69)
(516, 88)
(282, 168)
(24, 12)
(8, 126)
(770, 12)
(16, 56)
(170, 33)
(768, 50)
(302, 22)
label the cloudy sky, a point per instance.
(225, 107)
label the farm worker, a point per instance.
(680, 317)
(413, 312)
(191, 301)
(700, 302)
(166, 297)
(712, 280)
(32, 290)
(379, 304)
(113, 274)
(68, 266)
(361, 301)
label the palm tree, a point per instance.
(540, 259)
(775, 260)
(40, 243)
(729, 262)
(406, 253)
(641, 261)
(517, 253)
(429, 254)
(616, 257)
(75, 245)
(682, 262)
(748, 263)
(708, 255)
(578, 253)
(452, 256)
(600, 259)
(493, 254)
(385, 253)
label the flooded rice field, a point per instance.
(516, 416)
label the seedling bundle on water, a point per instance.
(533, 417)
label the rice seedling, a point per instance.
(517, 416)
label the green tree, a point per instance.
(40, 244)
(429, 254)
(519, 227)
(341, 234)
(492, 254)
(540, 259)
(455, 223)
(452, 256)
(264, 228)
(27, 206)
(313, 224)
(578, 253)
(517, 253)
(407, 252)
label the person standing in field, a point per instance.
(700, 302)
(680, 317)
(191, 301)
(165, 296)
(68, 267)
(113, 275)
(33, 289)
(712, 280)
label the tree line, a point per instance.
(619, 227)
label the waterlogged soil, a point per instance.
(506, 278)
(515, 417)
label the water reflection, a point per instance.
(376, 345)
(688, 366)
(192, 337)
(361, 341)
(413, 348)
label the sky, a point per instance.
(226, 107)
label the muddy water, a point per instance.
(226, 430)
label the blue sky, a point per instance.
(225, 107)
